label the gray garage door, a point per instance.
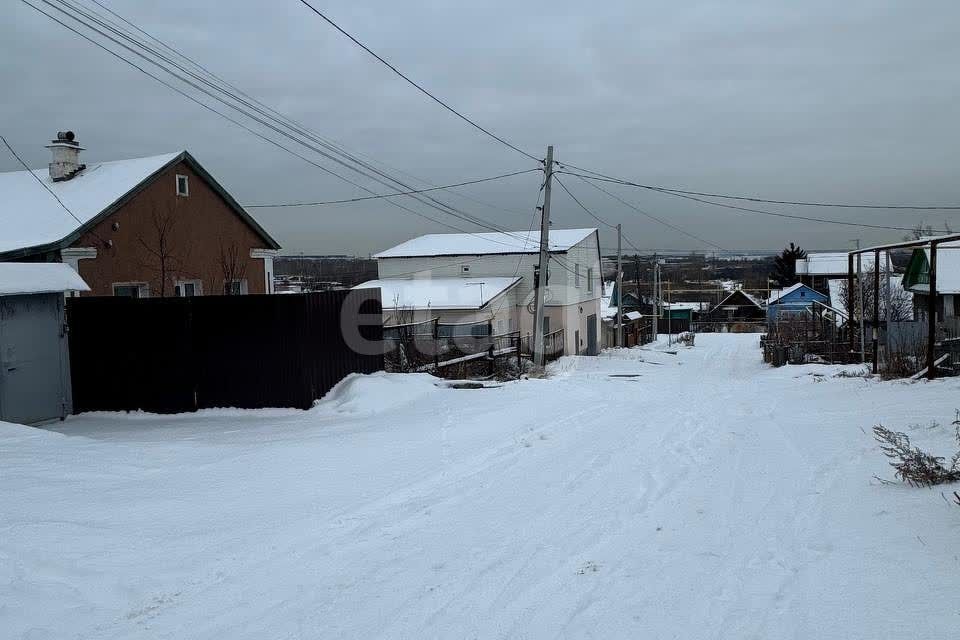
(33, 359)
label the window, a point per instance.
(183, 185)
(235, 288)
(131, 290)
(590, 279)
(576, 276)
(188, 288)
(464, 269)
(546, 325)
(500, 326)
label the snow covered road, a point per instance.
(709, 497)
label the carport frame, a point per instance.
(933, 242)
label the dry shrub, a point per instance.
(913, 466)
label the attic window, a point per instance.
(183, 185)
(464, 269)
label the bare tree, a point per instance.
(922, 230)
(901, 301)
(165, 256)
(233, 266)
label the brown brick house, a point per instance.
(156, 226)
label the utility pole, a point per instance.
(669, 316)
(544, 259)
(655, 306)
(636, 270)
(619, 291)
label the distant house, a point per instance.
(917, 280)
(505, 266)
(155, 226)
(793, 301)
(34, 359)
(630, 301)
(737, 308)
(818, 269)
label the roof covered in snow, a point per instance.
(30, 215)
(439, 293)
(753, 300)
(691, 306)
(776, 294)
(38, 277)
(948, 268)
(474, 244)
(830, 263)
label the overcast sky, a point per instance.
(842, 101)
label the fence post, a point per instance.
(932, 314)
(519, 357)
(876, 311)
(850, 297)
(436, 344)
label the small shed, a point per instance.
(34, 358)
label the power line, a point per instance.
(389, 195)
(653, 217)
(595, 216)
(416, 85)
(580, 204)
(439, 206)
(48, 189)
(799, 203)
(100, 20)
(759, 211)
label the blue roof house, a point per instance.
(792, 301)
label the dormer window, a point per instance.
(183, 185)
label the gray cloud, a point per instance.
(818, 100)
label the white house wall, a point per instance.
(566, 298)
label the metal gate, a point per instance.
(33, 359)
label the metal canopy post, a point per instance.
(932, 314)
(876, 311)
(850, 297)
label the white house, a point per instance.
(476, 277)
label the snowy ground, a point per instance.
(710, 497)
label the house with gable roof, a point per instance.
(491, 277)
(145, 227)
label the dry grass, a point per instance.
(914, 466)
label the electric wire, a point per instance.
(415, 84)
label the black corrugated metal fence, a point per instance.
(169, 355)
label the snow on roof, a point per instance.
(948, 268)
(633, 315)
(30, 216)
(472, 244)
(776, 294)
(692, 306)
(439, 293)
(830, 263)
(745, 295)
(38, 277)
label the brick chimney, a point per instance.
(65, 162)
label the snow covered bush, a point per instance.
(914, 466)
